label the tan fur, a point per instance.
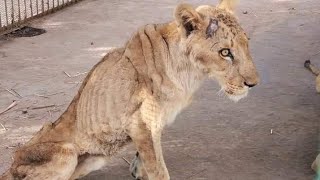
(228, 5)
(315, 71)
(316, 164)
(134, 92)
(312, 68)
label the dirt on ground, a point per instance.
(272, 134)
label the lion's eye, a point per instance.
(226, 53)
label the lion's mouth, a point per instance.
(236, 93)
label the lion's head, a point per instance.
(213, 39)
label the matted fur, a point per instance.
(134, 91)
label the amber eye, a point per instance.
(226, 53)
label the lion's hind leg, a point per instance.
(54, 161)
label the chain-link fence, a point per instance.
(15, 12)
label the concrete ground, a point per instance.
(212, 139)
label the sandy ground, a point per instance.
(212, 139)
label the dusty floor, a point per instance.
(214, 138)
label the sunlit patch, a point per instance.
(282, 0)
(99, 49)
(53, 24)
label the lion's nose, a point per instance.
(249, 84)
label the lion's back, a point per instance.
(104, 102)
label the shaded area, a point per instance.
(25, 31)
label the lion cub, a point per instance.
(136, 90)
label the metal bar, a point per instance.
(0, 21)
(25, 9)
(12, 12)
(37, 6)
(31, 8)
(42, 6)
(19, 13)
(6, 27)
(6, 9)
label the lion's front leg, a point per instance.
(136, 168)
(148, 144)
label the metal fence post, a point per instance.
(23, 11)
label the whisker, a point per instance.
(220, 92)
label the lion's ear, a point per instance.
(187, 18)
(228, 5)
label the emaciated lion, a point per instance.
(135, 90)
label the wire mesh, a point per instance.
(16, 12)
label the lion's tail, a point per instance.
(311, 67)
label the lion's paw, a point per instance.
(136, 168)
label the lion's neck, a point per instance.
(179, 69)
